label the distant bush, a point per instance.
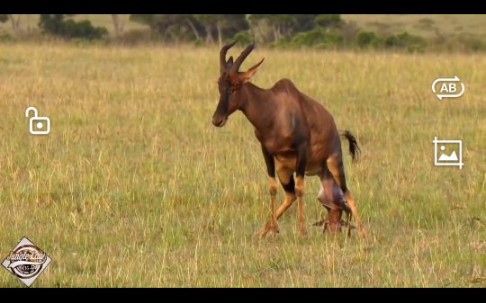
(381, 28)
(329, 21)
(340, 38)
(243, 38)
(56, 25)
(6, 37)
(134, 37)
(368, 39)
(406, 41)
(425, 24)
(470, 43)
(349, 31)
(323, 38)
(83, 29)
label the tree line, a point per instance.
(274, 30)
(206, 28)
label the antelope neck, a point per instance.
(258, 106)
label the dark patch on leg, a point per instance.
(289, 187)
(269, 162)
(286, 178)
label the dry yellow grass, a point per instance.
(135, 187)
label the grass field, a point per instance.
(134, 187)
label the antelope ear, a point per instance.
(246, 76)
(229, 63)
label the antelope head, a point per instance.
(230, 83)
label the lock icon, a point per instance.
(38, 125)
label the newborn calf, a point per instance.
(330, 197)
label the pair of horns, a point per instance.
(236, 66)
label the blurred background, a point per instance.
(329, 31)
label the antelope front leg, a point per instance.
(272, 225)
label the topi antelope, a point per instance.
(297, 135)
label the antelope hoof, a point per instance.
(347, 224)
(268, 228)
(362, 232)
(332, 227)
(345, 206)
(303, 231)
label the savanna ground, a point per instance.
(134, 187)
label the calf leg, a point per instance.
(336, 167)
(330, 197)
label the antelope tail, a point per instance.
(354, 149)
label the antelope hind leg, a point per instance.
(354, 213)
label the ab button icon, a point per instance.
(37, 125)
(448, 88)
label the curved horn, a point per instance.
(242, 57)
(222, 55)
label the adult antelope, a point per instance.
(297, 135)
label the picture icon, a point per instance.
(37, 125)
(448, 153)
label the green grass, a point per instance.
(134, 187)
